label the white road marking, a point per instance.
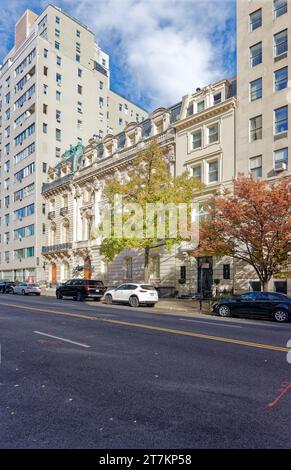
(62, 339)
(210, 323)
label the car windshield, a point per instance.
(146, 287)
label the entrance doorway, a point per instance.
(87, 269)
(205, 275)
(54, 274)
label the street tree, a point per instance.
(252, 223)
(148, 182)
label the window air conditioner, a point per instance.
(280, 166)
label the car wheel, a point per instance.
(59, 295)
(281, 316)
(80, 297)
(224, 311)
(23, 292)
(133, 301)
(108, 299)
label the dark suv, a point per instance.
(81, 289)
(6, 287)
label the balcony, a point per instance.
(51, 215)
(64, 211)
(56, 248)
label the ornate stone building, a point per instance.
(197, 131)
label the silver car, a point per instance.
(25, 288)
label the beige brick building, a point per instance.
(264, 95)
(54, 92)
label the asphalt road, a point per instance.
(86, 375)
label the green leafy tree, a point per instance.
(148, 182)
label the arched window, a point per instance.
(65, 271)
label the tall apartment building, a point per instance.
(54, 92)
(263, 91)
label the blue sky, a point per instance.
(159, 49)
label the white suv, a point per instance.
(132, 294)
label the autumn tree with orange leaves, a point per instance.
(252, 224)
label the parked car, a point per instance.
(81, 289)
(132, 294)
(6, 287)
(26, 288)
(256, 304)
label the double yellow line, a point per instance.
(155, 328)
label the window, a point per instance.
(79, 124)
(58, 115)
(58, 20)
(280, 7)
(79, 73)
(45, 53)
(57, 45)
(78, 57)
(281, 156)
(213, 133)
(128, 267)
(255, 19)
(79, 88)
(78, 47)
(200, 106)
(79, 107)
(44, 128)
(78, 33)
(45, 71)
(281, 78)
(280, 43)
(58, 95)
(58, 135)
(44, 167)
(226, 271)
(256, 54)
(217, 98)
(120, 121)
(58, 78)
(45, 89)
(281, 120)
(196, 172)
(58, 152)
(44, 108)
(30, 252)
(256, 166)
(213, 171)
(256, 89)
(183, 273)
(197, 139)
(255, 128)
(100, 85)
(59, 60)
(101, 101)
(57, 33)
(120, 107)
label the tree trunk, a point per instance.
(265, 285)
(146, 264)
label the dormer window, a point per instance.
(200, 106)
(159, 127)
(217, 98)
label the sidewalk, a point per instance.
(170, 305)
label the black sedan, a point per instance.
(6, 287)
(256, 304)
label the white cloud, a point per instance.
(162, 48)
(165, 46)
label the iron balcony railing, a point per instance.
(56, 248)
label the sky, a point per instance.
(159, 50)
